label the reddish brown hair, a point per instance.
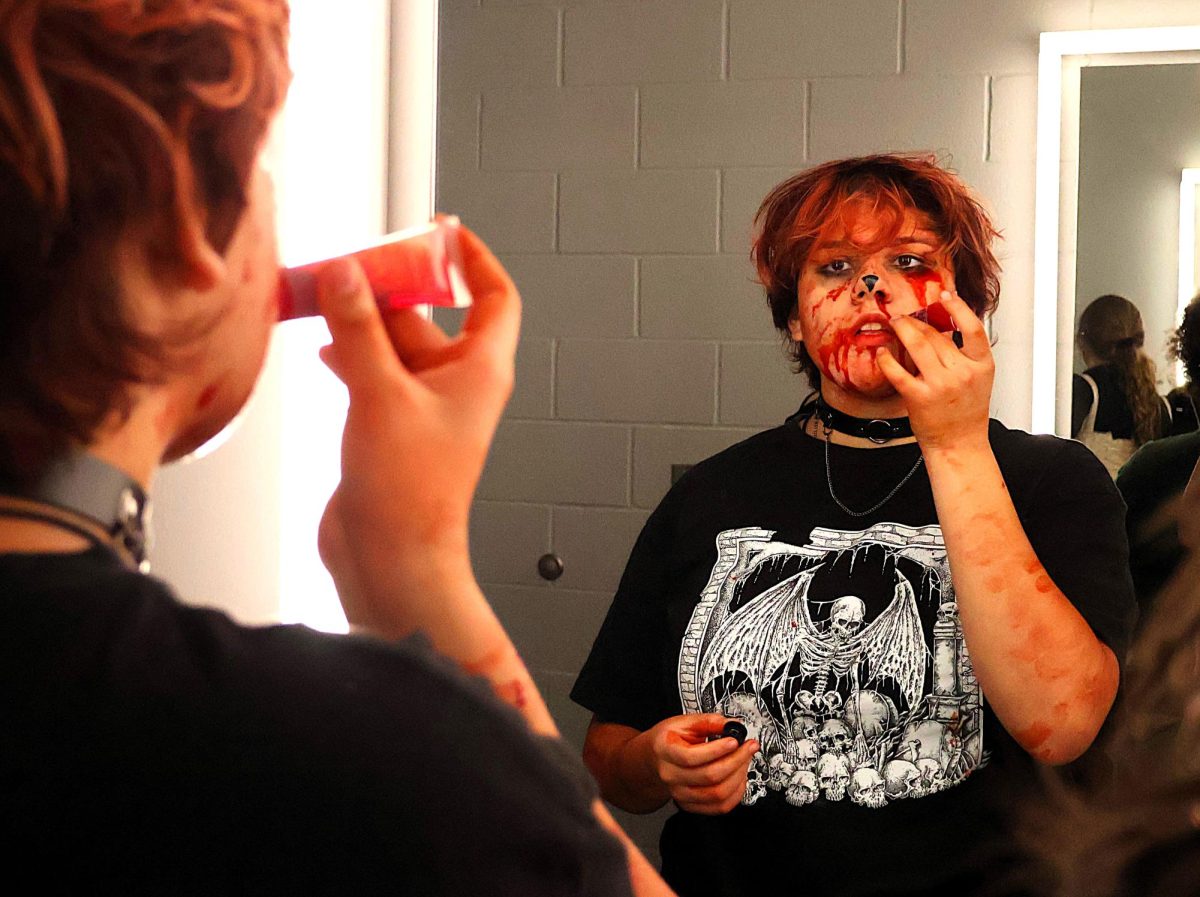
(797, 213)
(117, 118)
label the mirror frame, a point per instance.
(1061, 56)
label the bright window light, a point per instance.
(1053, 320)
(331, 173)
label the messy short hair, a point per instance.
(797, 213)
(1184, 345)
(118, 118)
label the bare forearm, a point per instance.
(1049, 679)
(622, 763)
(443, 601)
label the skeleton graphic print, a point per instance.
(845, 659)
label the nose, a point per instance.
(870, 287)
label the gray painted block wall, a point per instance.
(613, 154)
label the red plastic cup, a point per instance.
(418, 266)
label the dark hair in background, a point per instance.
(1134, 830)
(1111, 329)
(1185, 345)
(797, 213)
(119, 119)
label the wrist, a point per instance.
(432, 593)
(636, 763)
(959, 448)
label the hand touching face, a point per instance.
(854, 281)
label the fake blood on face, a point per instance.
(832, 296)
(920, 280)
(835, 355)
(206, 397)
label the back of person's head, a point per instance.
(1134, 829)
(1185, 343)
(123, 123)
(1111, 330)
(808, 206)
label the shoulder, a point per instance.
(91, 628)
(1160, 462)
(748, 467)
(1019, 446)
(1184, 447)
(749, 458)
(1104, 375)
(1037, 463)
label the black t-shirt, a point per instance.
(1155, 475)
(837, 639)
(147, 747)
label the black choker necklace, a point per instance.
(95, 491)
(878, 430)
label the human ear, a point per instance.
(794, 329)
(199, 266)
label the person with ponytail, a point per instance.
(1115, 405)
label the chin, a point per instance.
(881, 389)
(870, 384)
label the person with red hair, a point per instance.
(154, 748)
(905, 605)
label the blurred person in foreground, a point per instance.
(1154, 479)
(1135, 832)
(150, 747)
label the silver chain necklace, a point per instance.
(871, 510)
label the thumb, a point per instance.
(361, 352)
(705, 724)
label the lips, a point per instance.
(871, 330)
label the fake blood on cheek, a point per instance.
(835, 353)
(832, 296)
(920, 280)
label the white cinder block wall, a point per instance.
(613, 154)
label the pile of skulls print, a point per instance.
(844, 658)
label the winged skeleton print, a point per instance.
(853, 701)
(776, 630)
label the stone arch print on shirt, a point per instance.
(824, 651)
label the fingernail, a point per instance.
(945, 294)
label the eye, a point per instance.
(908, 261)
(834, 268)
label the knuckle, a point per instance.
(709, 776)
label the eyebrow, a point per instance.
(922, 236)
